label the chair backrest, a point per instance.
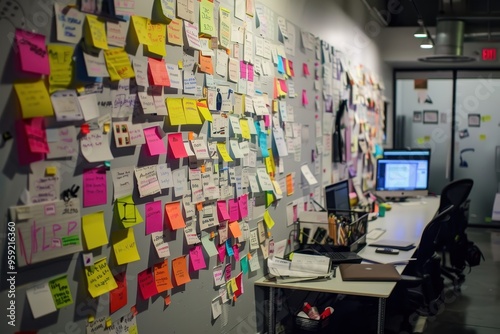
(455, 193)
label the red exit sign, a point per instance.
(489, 54)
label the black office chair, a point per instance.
(421, 289)
(453, 238)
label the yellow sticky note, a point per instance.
(97, 32)
(100, 280)
(203, 109)
(245, 129)
(91, 319)
(109, 322)
(51, 171)
(207, 26)
(486, 118)
(34, 99)
(124, 246)
(421, 140)
(176, 111)
(141, 29)
(180, 64)
(133, 330)
(269, 198)
(106, 127)
(268, 220)
(221, 147)
(482, 137)
(157, 34)
(94, 230)
(427, 138)
(127, 212)
(234, 286)
(191, 111)
(174, 33)
(275, 106)
(277, 187)
(61, 66)
(118, 64)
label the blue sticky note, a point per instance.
(281, 66)
(229, 248)
(263, 144)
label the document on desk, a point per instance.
(281, 268)
(316, 264)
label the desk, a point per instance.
(406, 221)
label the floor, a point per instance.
(476, 309)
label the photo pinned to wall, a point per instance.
(474, 120)
(431, 116)
(420, 84)
(417, 117)
(463, 133)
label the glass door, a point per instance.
(423, 119)
(477, 133)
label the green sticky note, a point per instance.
(127, 212)
(421, 140)
(486, 118)
(482, 137)
(70, 240)
(244, 264)
(61, 293)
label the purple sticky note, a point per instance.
(32, 52)
(222, 210)
(234, 212)
(94, 187)
(196, 258)
(154, 218)
(243, 205)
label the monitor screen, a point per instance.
(403, 173)
(337, 196)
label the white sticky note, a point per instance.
(306, 172)
(40, 300)
(88, 105)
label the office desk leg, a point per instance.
(381, 316)
(270, 319)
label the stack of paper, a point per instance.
(301, 267)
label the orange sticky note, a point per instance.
(162, 277)
(158, 72)
(199, 206)
(206, 64)
(190, 135)
(167, 300)
(180, 271)
(289, 184)
(235, 229)
(174, 215)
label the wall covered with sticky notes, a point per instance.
(155, 153)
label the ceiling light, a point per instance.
(427, 44)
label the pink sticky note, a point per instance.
(32, 52)
(243, 70)
(283, 85)
(236, 251)
(227, 272)
(290, 65)
(37, 137)
(243, 205)
(222, 210)
(154, 141)
(250, 72)
(221, 249)
(234, 212)
(305, 69)
(176, 145)
(94, 187)
(147, 284)
(196, 258)
(154, 219)
(158, 72)
(26, 156)
(267, 120)
(305, 100)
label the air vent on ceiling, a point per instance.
(448, 43)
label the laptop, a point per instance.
(369, 272)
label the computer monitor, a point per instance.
(403, 173)
(337, 197)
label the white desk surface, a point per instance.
(405, 221)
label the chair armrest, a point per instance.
(411, 278)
